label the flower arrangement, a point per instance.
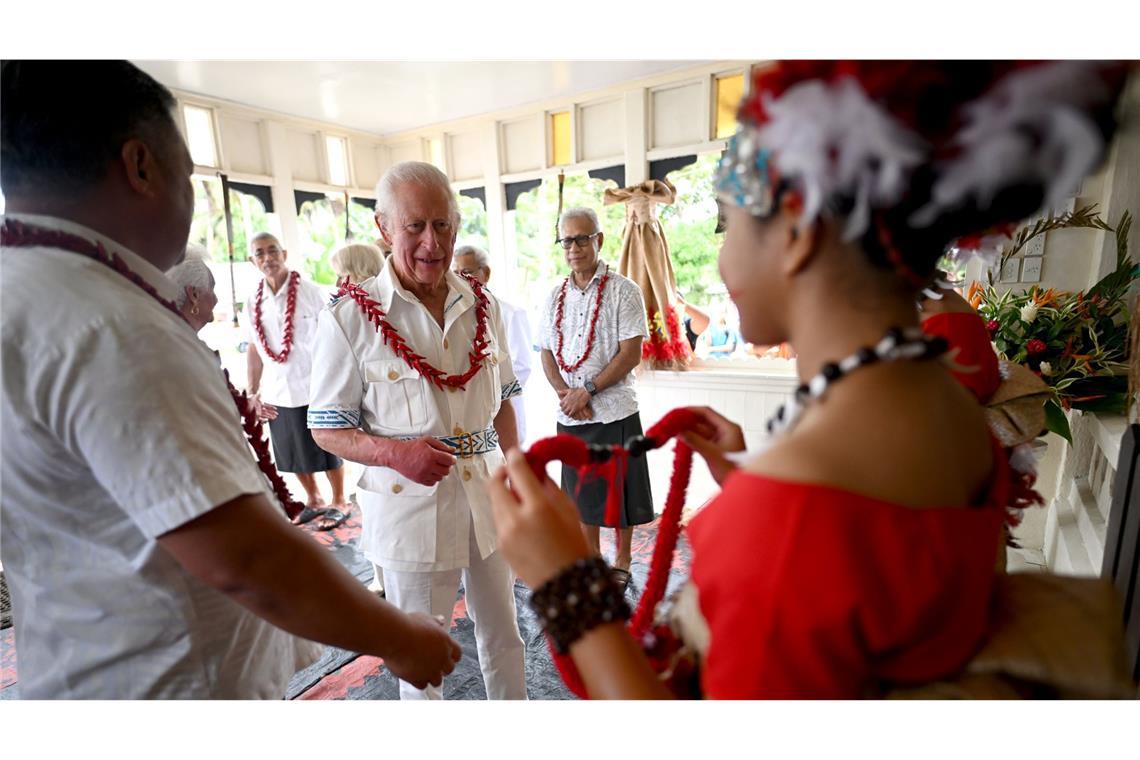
(1076, 342)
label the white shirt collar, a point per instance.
(599, 270)
(458, 291)
(137, 264)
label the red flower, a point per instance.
(1035, 347)
(992, 326)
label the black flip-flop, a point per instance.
(622, 577)
(336, 516)
(308, 514)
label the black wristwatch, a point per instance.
(590, 388)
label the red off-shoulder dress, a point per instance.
(972, 356)
(810, 591)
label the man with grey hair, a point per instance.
(591, 342)
(474, 262)
(281, 316)
(421, 406)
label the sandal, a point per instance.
(308, 514)
(332, 518)
(621, 577)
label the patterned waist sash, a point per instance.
(467, 445)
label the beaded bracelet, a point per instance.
(577, 600)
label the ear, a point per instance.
(801, 241)
(383, 232)
(601, 240)
(191, 295)
(139, 166)
(284, 255)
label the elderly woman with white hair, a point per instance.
(196, 299)
(356, 262)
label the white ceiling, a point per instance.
(392, 96)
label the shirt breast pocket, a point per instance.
(398, 394)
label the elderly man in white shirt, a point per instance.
(409, 377)
(591, 342)
(281, 318)
(145, 555)
(473, 262)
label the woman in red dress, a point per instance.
(856, 553)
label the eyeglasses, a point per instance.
(272, 253)
(581, 240)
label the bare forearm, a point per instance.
(246, 551)
(356, 446)
(506, 425)
(612, 666)
(253, 370)
(550, 368)
(626, 360)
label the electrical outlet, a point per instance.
(1035, 247)
(1010, 270)
(1031, 269)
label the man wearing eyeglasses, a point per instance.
(590, 339)
(280, 362)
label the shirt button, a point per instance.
(445, 342)
(393, 374)
(458, 430)
(466, 474)
(397, 488)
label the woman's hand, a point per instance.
(715, 436)
(538, 525)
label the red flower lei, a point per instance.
(391, 336)
(593, 323)
(290, 310)
(20, 235)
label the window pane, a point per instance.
(200, 135)
(729, 91)
(338, 161)
(560, 138)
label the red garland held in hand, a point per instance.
(573, 452)
(593, 323)
(290, 310)
(20, 235)
(391, 336)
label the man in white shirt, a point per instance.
(409, 376)
(472, 261)
(145, 555)
(590, 348)
(281, 319)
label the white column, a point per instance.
(636, 132)
(281, 169)
(502, 264)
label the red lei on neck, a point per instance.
(290, 310)
(20, 235)
(593, 323)
(391, 336)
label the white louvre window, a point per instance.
(338, 161)
(200, 135)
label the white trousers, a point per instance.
(489, 589)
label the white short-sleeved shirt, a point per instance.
(622, 317)
(358, 381)
(522, 347)
(286, 384)
(118, 428)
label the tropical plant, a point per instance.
(1076, 342)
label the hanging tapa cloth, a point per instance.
(645, 260)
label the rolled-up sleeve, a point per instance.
(336, 388)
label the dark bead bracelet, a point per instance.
(577, 600)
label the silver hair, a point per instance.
(264, 236)
(191, 273)
(580, 212)
(481, 258)
(412, 173)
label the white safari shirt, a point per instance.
(622, 317)
(118, 428)
(286, 384)
(358, 381)
(521, 347)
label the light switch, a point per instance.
(1009, 270)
